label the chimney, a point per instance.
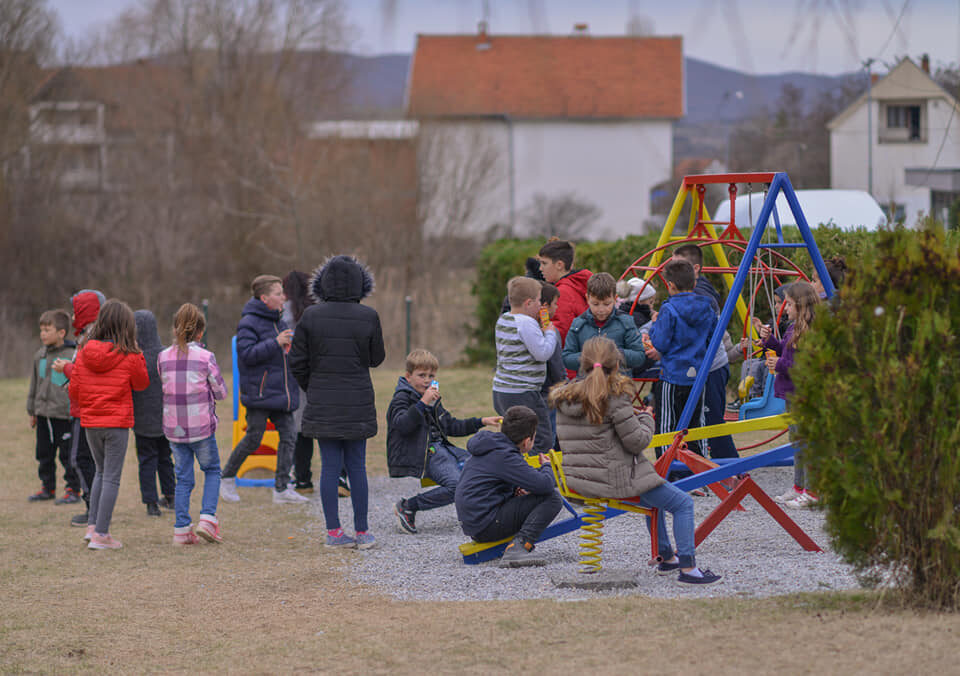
(925, 63)
(482, 30)
(581, 29)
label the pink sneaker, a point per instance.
(89, 533)
(209, 528)
(107, 541)
(184, 536)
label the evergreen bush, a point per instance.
(878, 404)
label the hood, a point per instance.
(147, 336)
(695, 310)
(403, 385)
(485, 441)
(341, 279)
(576, 280)
(532, 266)
(572, 409)
(86, 305)
(99, 356)
(257, 307)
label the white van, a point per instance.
(846, 209)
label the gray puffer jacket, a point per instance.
(606, 460)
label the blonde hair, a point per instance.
(521, 289)
(806, 298)
(188, 326)
(262, 284)
(116, 324)
(421, 359)
(600, 361)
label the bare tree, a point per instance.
(564, 215)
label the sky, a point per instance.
(753, 36)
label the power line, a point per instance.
(895, 26)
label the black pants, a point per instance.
(526, 516)
(303, 460)
(53, 437)
(82, 459)
(671, 400)
(155, 460)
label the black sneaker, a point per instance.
(153, 509)
(303, 487)
(405, 517)
(520, 554)
(80, 519)
(166, 502)
(42, 494)
(664, 568)
(69, 497)
(707, 577)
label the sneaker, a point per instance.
(791, 494)
(519, 554)
(802, 501)
(166, 502)
(42, 494)
(69, 497)
(405, 517)
(89, 534)
(288, 496)
(184, 536)
(365, 541)
(341, 541)
(304, 487)
(209, 528)
(107, 541)
(80, 520)
(153, 509)
(705, 577)
(665, 568)
(228, 490)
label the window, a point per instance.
(903, 123)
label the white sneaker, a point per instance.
(791, 494)
(228, 490)
(288, 496)
(802, 501)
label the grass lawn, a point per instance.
(272, 600)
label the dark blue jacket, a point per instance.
(705, 288)
(408, 429)
(495, 468)
(681, 335)
(265, 378)
(148, 403)
(619, 327)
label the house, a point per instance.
(914, 144)
(514, 117)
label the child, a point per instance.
(191, 383)
(106, 368)
(679, 339)
(603, 442)
(417, 444)
(338, 340)
(153, 449)
(602, 318)
(523, 349)
(48, 406)
(556, 266)
(636, 295)
(267, 389)
(556, 373)
(801, 300)
(500, 495)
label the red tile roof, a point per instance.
(546, 76)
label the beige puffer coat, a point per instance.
(606, 460)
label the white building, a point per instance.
(515, 117)
(915, 139)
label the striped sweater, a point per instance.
(522, 353)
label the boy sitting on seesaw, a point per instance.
(500, 495)
(417, 444)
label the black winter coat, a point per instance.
(336, 343)
(265, 380)
(408, 429)
(148, 403)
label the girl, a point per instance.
(105, 370)
(799, 304)
(336, 343)
(603, 442)
(191, 382)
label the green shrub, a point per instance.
(878, 402)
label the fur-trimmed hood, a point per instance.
(341, 279)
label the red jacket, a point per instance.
(573, 300)
(101, 384)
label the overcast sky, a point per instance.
(755, 36)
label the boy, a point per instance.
(602, 318)
(556, 266)
(49, 409)
(523, 349)
(417, 444)
(556, 373)
(500, 495)
(267, 387)
(679, 339)
(634, 289)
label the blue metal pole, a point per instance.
(808, 238)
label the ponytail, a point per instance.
(600, 362)
(188, 326)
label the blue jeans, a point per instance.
(668, 498)
(256, 426)
(209, 458)
(334, 455)
(444, 467)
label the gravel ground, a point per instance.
(755, 556)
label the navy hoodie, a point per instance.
(681, 335)
(265, 378)
(495, 468)
(148, 404)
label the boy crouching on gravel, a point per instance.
(417, 443)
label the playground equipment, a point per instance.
(265, 457)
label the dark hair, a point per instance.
(116, 324)
(548, 292)
(295, 289)
(58, 319)
(519, 423)
(263, 283)
(600, 383)
(602, 285)
(558, 250)
(690, 252)
(679, 271)
(837, 269)
(188, 326)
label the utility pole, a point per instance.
(867, 64)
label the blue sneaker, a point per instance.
(365, 541)
(342, 541)
(706, 577)
(664, 568)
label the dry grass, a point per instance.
(272, 600)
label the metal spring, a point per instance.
(591, 537)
